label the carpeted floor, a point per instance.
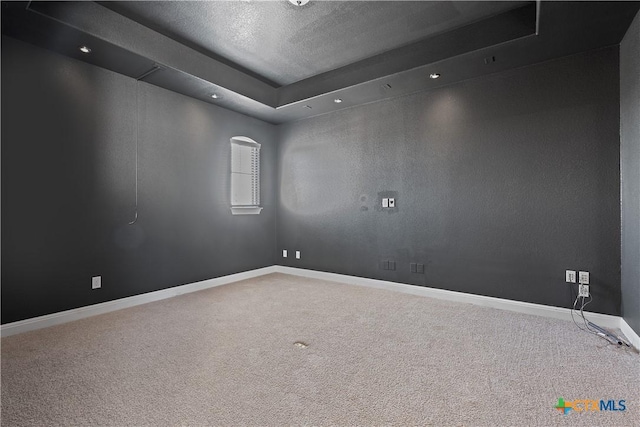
(226, 356)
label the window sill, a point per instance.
(246, 210)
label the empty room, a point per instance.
(324, 213)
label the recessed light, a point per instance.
(337, 100)
(84, 49)
(434, 75)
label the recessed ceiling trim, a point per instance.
(595, 26)
(195, 87)
(505, 27)
(33, 27)
(109, 26)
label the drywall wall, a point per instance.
(68, 186)
(501, 183)
(630, 172)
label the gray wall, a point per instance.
(630, 172)
(501, 183)
(68, 148)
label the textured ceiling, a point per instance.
(281, 43)
(278, 63)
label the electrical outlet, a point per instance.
(584, 277)
(96, 282)
(583, 290)
(570, 276)
(297, 254)
(392, 203)
(284, 253)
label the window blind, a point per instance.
(245, 176)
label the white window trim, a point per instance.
(246, 210)
(253, 192)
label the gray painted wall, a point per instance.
(630, 172)
(68, 149)
(501, 183)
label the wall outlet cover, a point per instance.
(284, 253)
(584, 277)
(420, 268)
(413, 267)
(392, 203)
(96, 282)
(297, 254)
(570, 276)
(583, 290)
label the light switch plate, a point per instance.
(385, 203)
(284, 253)
(297, 254)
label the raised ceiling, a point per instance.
(279, 62)
(282, 43)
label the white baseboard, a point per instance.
(106, 307)
(630, 333)
(605, 320)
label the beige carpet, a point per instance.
(226, 356)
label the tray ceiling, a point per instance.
(282, 43)
(279, 62)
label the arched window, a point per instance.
(245, 176)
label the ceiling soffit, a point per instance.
(521, 36)
(283, 44)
